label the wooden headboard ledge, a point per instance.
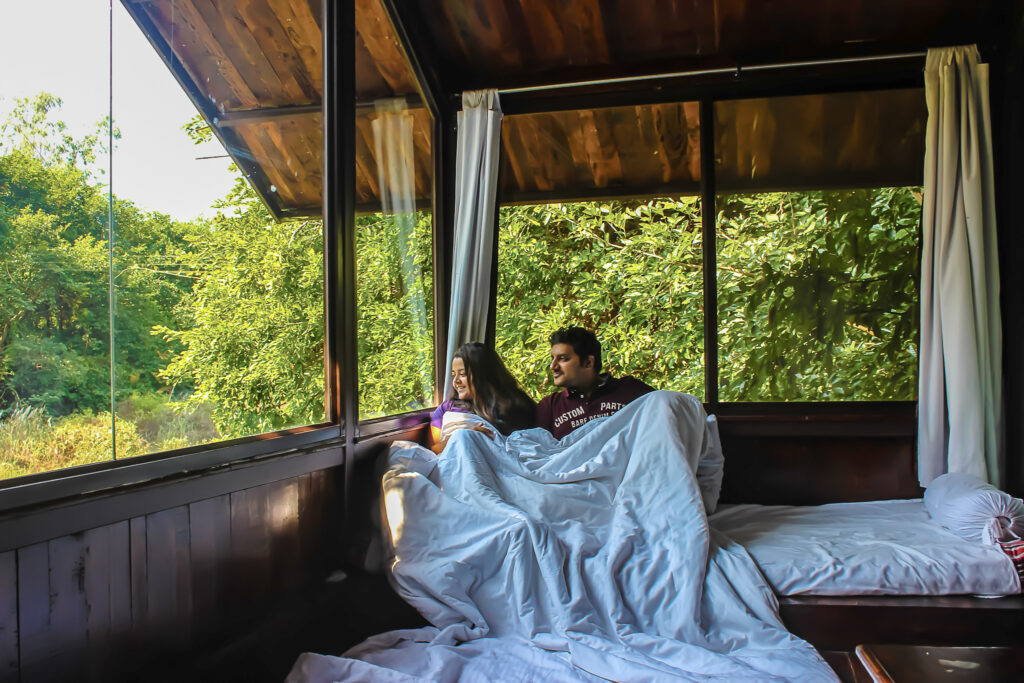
(806, 454)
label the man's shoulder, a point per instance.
(630, 381)
(550, 398)
(630, 386)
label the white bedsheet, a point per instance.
(875, 548)
(585, 559)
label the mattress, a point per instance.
(887, 547)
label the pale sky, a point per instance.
(63, 47)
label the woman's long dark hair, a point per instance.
(497, 396)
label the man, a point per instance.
(586, 392)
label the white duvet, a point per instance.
(585, 559)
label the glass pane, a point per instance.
(218, 304)
(631, 271)
(54, 266)
(834, 140)
(394, 238)
(648, 150)
(817, 295)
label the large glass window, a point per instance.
(630, 268)
(160, 235)
(394, 237)
(817, 211)
(817, 289)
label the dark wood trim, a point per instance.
(231, 143)
(267, 114)
(244, 117)
(418, 53)
(513, 198)
(25, 527)
(443, 150)
(843, 622)
(889, 419)
(47, 487)
(726, 84)
(339, 72)
(708, 222)
(371, 429)
(635, 76)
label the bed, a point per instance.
(866, 548)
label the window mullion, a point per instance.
(709, 249)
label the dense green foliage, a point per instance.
(818, 295)
(816, 292)
(631, 271)
(54, 287)
(394, 263)
(252, 332)
(219, 323)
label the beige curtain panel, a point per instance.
(476, 188)
(960, 393)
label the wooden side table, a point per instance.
(923, 663)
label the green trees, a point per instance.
(632, 271)
(817, 291)
(55, 274)
(251, 332)
(818, 295)
(219, 323)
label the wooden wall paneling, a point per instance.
(168, 584)
(140, 595)
(67, 633)
(250, 550)
(117, 580)
(286, 569)
(806, 470)
(34, 612)
(8, 616)
(315, 533)
(210, 553)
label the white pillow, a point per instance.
(711, 465)
(974, 509)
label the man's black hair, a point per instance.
(583, 342)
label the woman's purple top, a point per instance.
(449, 406)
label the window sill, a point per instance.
(51, 487)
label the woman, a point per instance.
(484, 387)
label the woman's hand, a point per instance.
(439, 444)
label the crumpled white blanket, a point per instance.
(584, 559)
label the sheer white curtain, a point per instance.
(960, 392)
(393, 145)
(476, 186)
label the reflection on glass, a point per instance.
(394, 242)
(394, 262)
(631, 271)
(817, 295)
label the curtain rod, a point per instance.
(738, 69)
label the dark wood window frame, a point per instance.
(905, 71)
(341, 362)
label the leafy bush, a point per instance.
(31, 441)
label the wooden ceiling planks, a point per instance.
(511, 43)
(253, 55)
(381, 69)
